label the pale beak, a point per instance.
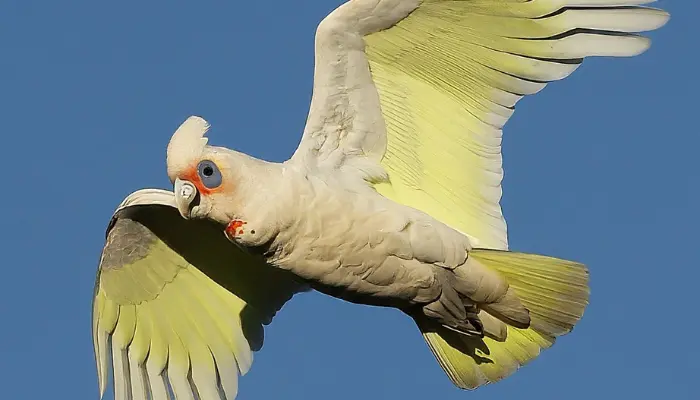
(185, 194)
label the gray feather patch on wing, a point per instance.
(127, 242)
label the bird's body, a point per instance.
(349, 236)
(391, 199)
(345, 239)
(338, 224)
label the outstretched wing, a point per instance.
(177, 307)
(417, 91)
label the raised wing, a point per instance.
(424, 87)
(413, 95)
(177, 307)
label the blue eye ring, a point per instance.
(209, 174)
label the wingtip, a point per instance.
(659, 18)
(665, 18)
(644, 44)
(101, 384)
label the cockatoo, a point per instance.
(391, 199)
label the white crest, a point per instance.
(186, 145)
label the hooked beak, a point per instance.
(185, 195)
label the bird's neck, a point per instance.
(266, 199)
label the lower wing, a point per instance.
(178, 307)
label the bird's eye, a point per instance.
(209, 174)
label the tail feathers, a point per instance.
(554, 291)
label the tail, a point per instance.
(554, 291)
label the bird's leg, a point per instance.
(235, 228)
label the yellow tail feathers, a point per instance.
(554, 291)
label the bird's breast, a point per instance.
(332, 228)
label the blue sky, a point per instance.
(601, 168)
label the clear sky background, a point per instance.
(601, 168)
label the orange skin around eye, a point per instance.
(191, 175)
(235, 227)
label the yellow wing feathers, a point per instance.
(449, 76)
(176, 309)
(162, 312)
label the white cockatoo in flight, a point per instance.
(391, 199)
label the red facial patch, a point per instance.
(235, 228)
(191, 175)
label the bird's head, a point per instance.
(203, 178)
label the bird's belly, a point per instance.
(353, 251)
